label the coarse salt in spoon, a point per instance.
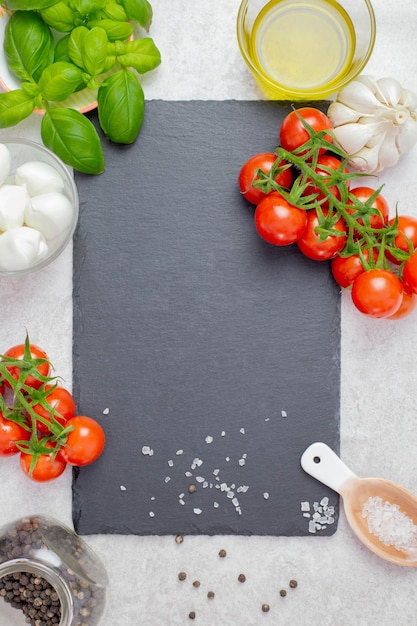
(382, 514)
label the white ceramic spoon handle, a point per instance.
(322, 463)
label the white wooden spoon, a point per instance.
(322, 463)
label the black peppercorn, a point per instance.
(265, 608)
(210, 595)
(282, 593)
(293, 584)
(182, 576)
(191, 615)
(241, 578)
(222, 553)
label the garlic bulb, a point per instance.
(375, 122)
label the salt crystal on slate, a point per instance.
(147, 451)
(106, 411)
(209, 439)
(242, 462)
(122, 488)
(171, 463)
(284, 414)
(242, 431)
(305, 506)
(216, 505)
(197, 511)
(179, 452)
(266, 495)
(151, 514)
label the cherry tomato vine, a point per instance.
(373, 256)
(38, 417)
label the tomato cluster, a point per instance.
(38, 417)
(305, 194)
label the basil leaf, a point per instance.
(27, 5)
(141, 54)
(73, 138)
(139, 11)
(60, 17)
(61, 49)
(76, 45)
(15, 106)
(114, 11)
(86, 7)
(60, 80)
(28, 45)
(94, 48)
(115, 30)
(121, 106)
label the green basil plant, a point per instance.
(59, 47)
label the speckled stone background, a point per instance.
(339, 581)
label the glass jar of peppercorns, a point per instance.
(50, 574)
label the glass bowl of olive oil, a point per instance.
(305, 49)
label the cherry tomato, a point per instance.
(85, 442)
(263, 161)
(376, 220)
(346, 269)
(60, 401)
(46, 468)
(279, 222)
(407, 230)
(310, 244)
(293, 134)
(410, 273)
(325, 163)
(18, 352)
(10, 432)
(377, 293)
(407, 306)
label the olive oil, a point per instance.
(303, 44)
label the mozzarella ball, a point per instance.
(14, 200)
(21, 248)
(50, 213)
(39, 177)
(5, 163)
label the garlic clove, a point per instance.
(388, 151)
(13, 202)
(408, 137)
(51, 213)
(358, 96)
(390, 91)
(5, 163)
(342, 114)
(39, 177)
(21, 248)
(353, 137)
(366, 161)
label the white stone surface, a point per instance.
(339, 581)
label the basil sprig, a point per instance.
(92, 51)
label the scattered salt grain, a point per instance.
(167, 479)
(106, 411)
(216, 505)
(242, 431)
(390, 525)
(170, 463)
(305, 506)
(197, 511)
(200, 479)
(188, 474)
(216, 472)
(227, 459)
(122, 488)
(147, 451)
(151, 514)
(209, 439)
(266, 495)
(223, 433)
(284, 414)
(179, 452)
(242, 462)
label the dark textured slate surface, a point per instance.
(216, 350)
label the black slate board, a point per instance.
(196, 339)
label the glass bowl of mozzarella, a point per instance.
(39, 206)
